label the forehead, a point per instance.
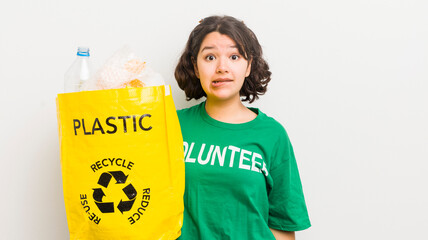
(217, 40)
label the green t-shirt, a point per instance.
(241, 179)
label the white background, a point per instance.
(350, 81)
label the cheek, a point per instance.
(204, 82)
(205, 71)
(244, 71)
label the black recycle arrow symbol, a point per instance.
(125, 206)
(119, 176)
(108, 207)
(131, 193)
(98, 194)
(105, 178)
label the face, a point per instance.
(221, 68)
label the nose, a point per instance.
(222, 66)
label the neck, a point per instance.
(229, 111)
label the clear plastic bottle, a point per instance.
(79, 72)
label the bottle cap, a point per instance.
(83, 51)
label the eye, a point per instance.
(210, 57)
(234, 57)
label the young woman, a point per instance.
(242, 180)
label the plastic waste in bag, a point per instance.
(124, 69)
(79, 72)
(122, 164)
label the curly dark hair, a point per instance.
(248, 46)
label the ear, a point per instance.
(248, 71)
(195, 67)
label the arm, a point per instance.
(283, 235)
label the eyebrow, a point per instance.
(209, 47)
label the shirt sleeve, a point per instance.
(287, 207)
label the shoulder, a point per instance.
(189, 116)
(189, 111)
(270, 124)
(274, 132)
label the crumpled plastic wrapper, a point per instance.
(124, 69)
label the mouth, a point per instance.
(221, 80)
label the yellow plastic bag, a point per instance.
(122, 164)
